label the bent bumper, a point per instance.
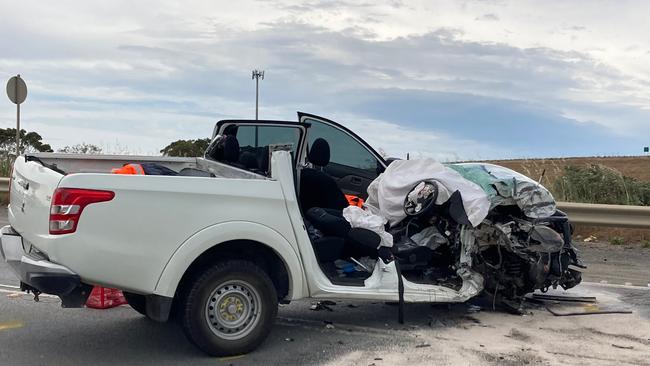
(33, 269)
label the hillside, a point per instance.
(632, 166)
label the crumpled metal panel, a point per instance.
(507, 187)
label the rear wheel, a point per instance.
(137, 302)
(229, 309)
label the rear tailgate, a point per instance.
(32, 186)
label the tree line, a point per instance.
(33, 142)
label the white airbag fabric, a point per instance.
(357, 217)
(386, 194)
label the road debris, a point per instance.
(474, 308)
(434, 322)
(622, 347)
(590, 309)
(588, 299)
(322, 305)
(288, 339)
(423, 345)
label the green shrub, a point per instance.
(617, 240)
(600, 184)
(5, 165)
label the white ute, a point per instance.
(216, 246)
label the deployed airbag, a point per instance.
(386, 193)
(360, 218)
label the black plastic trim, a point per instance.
(217, 127)
(52, 283)
(158, 307)
(49, 166)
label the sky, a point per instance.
(453, 80)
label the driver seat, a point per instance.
(317, 188)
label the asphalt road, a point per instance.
(364, 333)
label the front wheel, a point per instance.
(229, 309)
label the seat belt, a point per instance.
(400, 294)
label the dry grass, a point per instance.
(632, 166)
(637, 167)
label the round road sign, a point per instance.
(16, 90)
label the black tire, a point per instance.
(229, 308)
(137, 302)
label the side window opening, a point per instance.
(249, 146)
(345, 152)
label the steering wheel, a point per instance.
(421, 198)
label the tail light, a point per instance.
(68, 204)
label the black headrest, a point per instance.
(230, 130)
(230, 147)
(319, 154)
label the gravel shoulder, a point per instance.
(616, 264)
(361, 333)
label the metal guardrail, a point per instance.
(4, 185)
(607, 215)
(579, 213)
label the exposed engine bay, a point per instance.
(514, 255)
(453, 223)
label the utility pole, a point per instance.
(257, 75)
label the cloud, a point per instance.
(398, 140)
(488, 17)
(458, 87)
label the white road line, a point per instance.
(631, 287)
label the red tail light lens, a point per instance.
(68, 204)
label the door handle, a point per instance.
(356, 181)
